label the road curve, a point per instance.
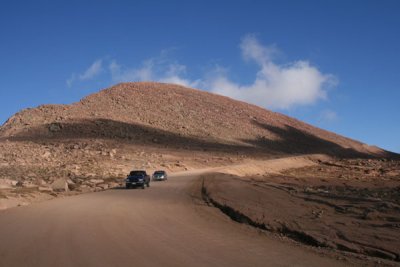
(165, 225)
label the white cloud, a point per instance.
(178, 80)
(328, 116)
(120, 74)
(275, 86)
(175, 75)
(252, 50)
(154, 69)
(71, 80)
(91, 72)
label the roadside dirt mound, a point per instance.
(272, 166)
(349, 205)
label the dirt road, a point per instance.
(165, 225)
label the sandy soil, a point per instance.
(348, 205)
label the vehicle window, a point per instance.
(137, 173)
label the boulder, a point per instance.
(8, 182)
(103, 186)
(31, 175)
(5, 186)
(96, 181)
(46, 155)
(60, 185)
(42, 182)
(45, 189)
(55, 127)
(29, 184)
(113, 185)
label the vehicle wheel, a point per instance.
(148, 184)
(143, 186)
(127, 187)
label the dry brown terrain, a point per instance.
(348, 205)
(90, 145)
(337, 193)
(166, 225)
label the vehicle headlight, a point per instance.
(140, 179)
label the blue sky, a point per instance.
(334, 64)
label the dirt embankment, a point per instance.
(348, 205)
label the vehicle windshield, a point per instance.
(159, 173)
(137, 173)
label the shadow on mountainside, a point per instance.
(294, 141)
(291, 140)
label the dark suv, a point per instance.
(137, 179)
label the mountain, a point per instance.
(166, 115)
(90, 145)
(266, 172)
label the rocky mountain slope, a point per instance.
(92, 144)
(174, 116)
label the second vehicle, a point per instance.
(160, 176)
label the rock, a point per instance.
(45, 189)
(5, 186)
(71, 185)
(28, 184)
(380, 253)
(96, 181)
(8, 182)
(42, 182)
(113, 185)
(103, 186)
(55, 127)
(60, 185)
(31, 175)
(46, 155)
